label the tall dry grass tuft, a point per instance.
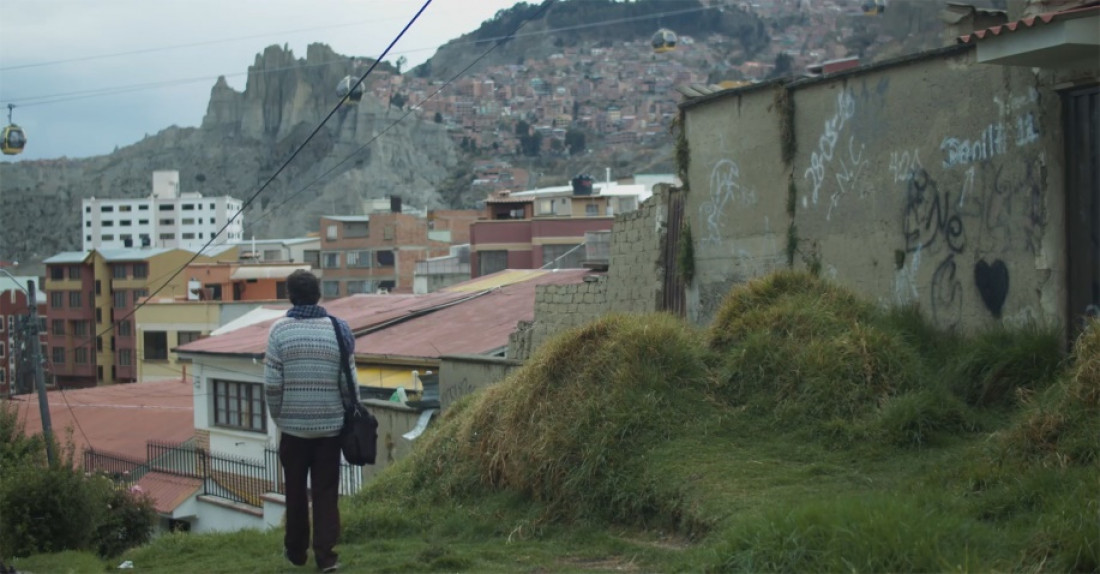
(571, 428)
(1064, 422)
(809, 353)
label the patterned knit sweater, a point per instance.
(303, 380)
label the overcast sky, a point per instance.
(56, 55)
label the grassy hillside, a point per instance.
(805, 430)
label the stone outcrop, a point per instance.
(360, 153)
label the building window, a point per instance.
(384, 258)
(125, 357)
(591, 210)
(80, 328)
(98, 287)
(108, 223)
(166, 236)
(57, 273)
(358, 287)
(80, 356)
(388, 232)
(188, 207)
(544, 207)
(562, 256)
(1, 353)
(491, 262)
(189, 336)
(57, 299)
(125, 223)
(74, 299)
(141, 270)
(58, 356)
(118, 272)
(119, 299)
(330, 260)
(358, 258)
(156, 345)
(106, 208)
(330, 232)
(239, 405)
(356, 229)
(74, 272)
(108, 237)
(57, 326)
(280, 290)
(188, 236)
(99, 314)
(124, 329)
(124, 208)
(143, 208)
(138, 295)
(188, 221)
(330, 288)
(313, 258)
(166, 207)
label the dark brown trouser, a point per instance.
(319, 459)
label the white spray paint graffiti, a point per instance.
(904, 164)
(847, 176)
(725, 185)
(905, 280)
(826, 144)
(1026, 130)
(989, 143)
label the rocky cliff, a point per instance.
(244, 138)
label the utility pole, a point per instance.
(39, 376)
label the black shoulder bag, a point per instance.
(359, 437)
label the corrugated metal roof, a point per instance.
(360, 311)
(347, 218)
(1029, 22)
(137, 254)
(68, 257)
(168, 491)
(118, 418)
(476, 326)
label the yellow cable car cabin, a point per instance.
(348, 87)
(874, 7)
(664, 41)
(13, 140)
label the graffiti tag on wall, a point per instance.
(725, 186)
(826, 144)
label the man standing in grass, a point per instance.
(302, 375)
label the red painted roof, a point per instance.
(1029, 22)
(456, 320)
(360, 311)
(117, 419)
(475, 326)
(168, 491)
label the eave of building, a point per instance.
(1068, 39)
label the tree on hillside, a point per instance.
(574, 141)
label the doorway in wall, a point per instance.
(1081, 120)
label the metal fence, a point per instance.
(118, 468)
(234, 478)
(351, 477)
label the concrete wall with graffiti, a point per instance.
(933, 181)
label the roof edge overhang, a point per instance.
(1062, 43)
(400, 360)
(193, 354)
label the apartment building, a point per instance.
(378, 252)
(168, 218)
(16, 368)
(546, 227)
(91, 296)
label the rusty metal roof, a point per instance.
(475, 326)
(118, 419)
(477, 315)
(1029, 22)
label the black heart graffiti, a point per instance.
(992, 282)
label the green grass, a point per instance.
(803, 431)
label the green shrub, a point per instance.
(128, 522)
(49, 510)
(924, 418)
(994, 368)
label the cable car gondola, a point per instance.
(664, 40)
(350, 88)
(13, 138)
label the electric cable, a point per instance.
(252, 198)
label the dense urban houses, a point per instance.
(16, 367)
(378, 252)
(168, 218)
(546, 227)
(291, 250)
(92, 335)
